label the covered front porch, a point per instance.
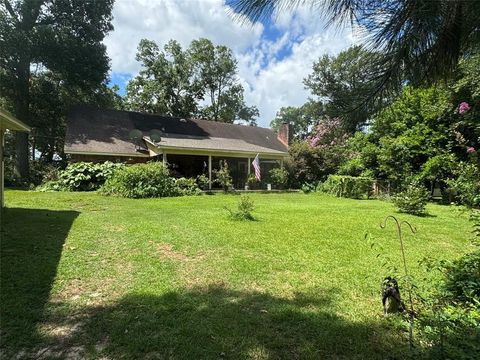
(190, 164)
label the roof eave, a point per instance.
(8, 121)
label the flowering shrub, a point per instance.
(328, 133)
(463, 107)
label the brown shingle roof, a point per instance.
(108, 131)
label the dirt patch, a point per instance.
(72, 290)
(167, 251)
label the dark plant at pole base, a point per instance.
(411, 312)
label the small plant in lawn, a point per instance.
(412, 200)
(244, 209)
(223, 176)
(279, 177)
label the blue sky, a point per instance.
(273, 56)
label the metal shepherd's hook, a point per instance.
(402, 250)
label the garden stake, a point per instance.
(409, 288)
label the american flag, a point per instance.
(256, 166)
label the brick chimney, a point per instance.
(285, 134)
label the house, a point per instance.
(190, 147)
(7, 122)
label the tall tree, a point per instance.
(216, 72)
(199, 81)
(165, 83)
(302, 119)
(63, 36)
(344, 85)
(420, 40)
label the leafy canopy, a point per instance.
(420, 40)
(198, 81)
(63, 37)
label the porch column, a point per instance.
(249, 166)
(209, 172)
(164, 158)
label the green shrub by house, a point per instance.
(279, 177)
(356, 187)
(83, 176)
(223, 177)
(187, 186)
(142, 181)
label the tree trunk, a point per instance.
(22, 111)
(21, 154)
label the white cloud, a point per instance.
(162, 20)
(269, 82)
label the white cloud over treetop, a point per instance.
(270, 69)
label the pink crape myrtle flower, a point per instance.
(463, 107)
(314, 141)
(471, 150)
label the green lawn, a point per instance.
(91, 276)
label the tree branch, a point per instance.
(9, 8)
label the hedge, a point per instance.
(356, 187)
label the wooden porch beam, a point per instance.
(210, 172)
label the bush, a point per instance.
(352, 167)
(475, 218)
(223, 176)
(142, 181)
(412, 200)
(308, 164)
(279, 177)
(356, 187)
(187, 186)
(202, 182)
(463, 278)
(244, 209)
(308, 188)
(252, 181)
(467, 185)
(85, 176)
(450, 318)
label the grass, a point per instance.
(84, 275)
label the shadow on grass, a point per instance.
(214, 323)
(30, 249)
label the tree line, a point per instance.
(52, 57)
